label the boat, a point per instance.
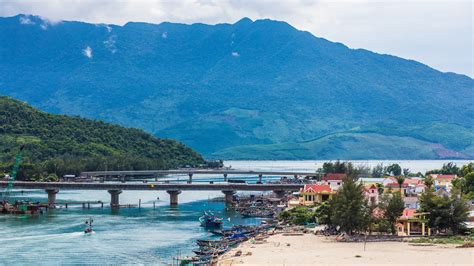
(88, 230)
(210, 220)
(211, 251)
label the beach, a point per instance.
(309, 249)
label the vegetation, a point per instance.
(350, 210)
(287, 95)
(58, 145)
(445, 240)
(300, 215)
(392, 206)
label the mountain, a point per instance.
(254, 89)
(64, 145)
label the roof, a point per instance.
(408, 213)
(443, 177)
(317, 188)
(333, 176)
(396, 185)
(369, 187)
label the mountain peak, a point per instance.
(244, 21)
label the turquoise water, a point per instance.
(132, 235)
(143, 236)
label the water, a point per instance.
(144, 236)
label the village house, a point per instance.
(412, 223)
(372, 194)
(373, 180)
(315, 193)
(443, 182)
(333, 180)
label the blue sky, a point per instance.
(437, 33)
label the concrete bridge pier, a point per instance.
(225, 177)
(114, 197)
(52, 196)
(173, 196)
(279, 193)
(228, 196)
(260, 178)
(190, 178)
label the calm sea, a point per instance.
(146, 235)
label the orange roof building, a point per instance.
(312, 194)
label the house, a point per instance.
(395, 187)
(373, 180)
(411, 202)
(412, 223)
(315, 193)
(334, 180)
(372, 194)
(443, 181)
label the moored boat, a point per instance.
(210, 220)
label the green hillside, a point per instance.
(67, 145)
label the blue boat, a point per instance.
(210, 220)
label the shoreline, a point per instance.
(310, 249)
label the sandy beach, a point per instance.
(310, 249)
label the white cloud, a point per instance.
(436, 32)
(110, 44)
(25, 20)
(235, 54)
(87, 52)
(164, 35)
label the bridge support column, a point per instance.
(174, 196)
(114, 198)
(279, 193)
(225, 177)
(260, 178)
(190, 178)
(228, 196)
(52, 196)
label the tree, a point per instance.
(323, 213)
(349, 208)
(378, 171)
(466, 169)
(392, 206)
(468, 185)
(400, 180)
(447, 169)
(459, 212)
(394, 169)
(406, 172)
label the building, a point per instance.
(412, 223)
(411, 202)
(372, 194)
(443, 181)
(334, 180)
(315, 193)
(373, 180)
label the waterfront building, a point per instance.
(412, 223)
(315, 193)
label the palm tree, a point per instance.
(400, 180)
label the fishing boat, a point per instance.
(210, 220)
(88, 230)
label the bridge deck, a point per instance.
(151, 186)
(197, 171)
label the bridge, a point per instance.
(190, 172)
(229, 189)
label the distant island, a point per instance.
(56, 145)
(250, 90)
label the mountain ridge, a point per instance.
(219, 87)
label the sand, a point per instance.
(310, 249)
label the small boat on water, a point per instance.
(88, 230)
(210, 220)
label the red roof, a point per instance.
(330, 176)
(396, 185)
(443, 177)
(369, 187)
(408, 213)
(317, 188)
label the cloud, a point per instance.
(87, 52)
(164, 35)
(235, 54)
(110, 44)
(25, 20)
(438, 33)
